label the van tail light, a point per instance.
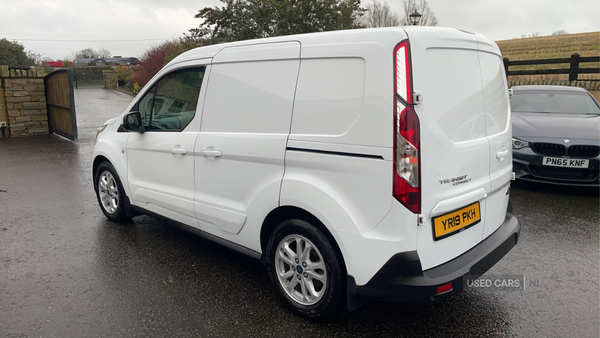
(407, 165)
(402, 85)
(406, 158)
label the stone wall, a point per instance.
(23, 101)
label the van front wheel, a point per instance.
(109, 192)
(305, 269)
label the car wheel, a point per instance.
(305, 269)
(109, 192)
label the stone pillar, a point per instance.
(23, 101)
(110, 79)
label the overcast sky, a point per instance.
(56, 28)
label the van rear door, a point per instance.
(452, 75)
(498, 132)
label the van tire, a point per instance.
(110, 193)
(319, 268)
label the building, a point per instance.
(58, 64)
(90, 62)
(118, 60)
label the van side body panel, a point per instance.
(354, 103)
(339, 157)
(240, 149)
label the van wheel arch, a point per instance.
(129, 211)
(110, 193)
(276, 216)
(97, 161)
(291, 224)
(280, 214)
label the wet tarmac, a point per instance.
(66, 271)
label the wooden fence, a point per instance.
(570, 66)
(574, 69)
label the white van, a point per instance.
(370, 163)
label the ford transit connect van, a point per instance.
(355, 164)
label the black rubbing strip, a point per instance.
(338, 153)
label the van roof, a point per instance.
(351, 36)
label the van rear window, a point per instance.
(454, 79)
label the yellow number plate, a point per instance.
(449, 224)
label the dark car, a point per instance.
(556, 135)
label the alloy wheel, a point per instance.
(108, 191)
(301, 270)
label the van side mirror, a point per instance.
(133, 122)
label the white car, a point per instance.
(370, 163)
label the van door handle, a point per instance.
(502, 154)
(178, 151)
(211, 153)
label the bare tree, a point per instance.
(86, 53)
(104, 53)
(379, 15)
(36, 59)
(427, 16)
(532, 35)
(71, 57)
(560, 32)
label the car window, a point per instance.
(553, 102)
(171, 103)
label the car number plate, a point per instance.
(565, 162)
(454, 222)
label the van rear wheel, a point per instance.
(305, 269)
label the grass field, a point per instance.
(550, 47)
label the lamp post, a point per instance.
(415, 17)
(129, 76)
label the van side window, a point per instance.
(171, 104)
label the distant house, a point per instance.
(58, 64)
(119, 60)
(81, 62)
(98, 62)
(90, 62)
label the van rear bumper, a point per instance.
(401, 279)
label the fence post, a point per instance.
(505, 61)
(75, 76)
(574, 70)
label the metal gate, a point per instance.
(60, 103)
(89, 76)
